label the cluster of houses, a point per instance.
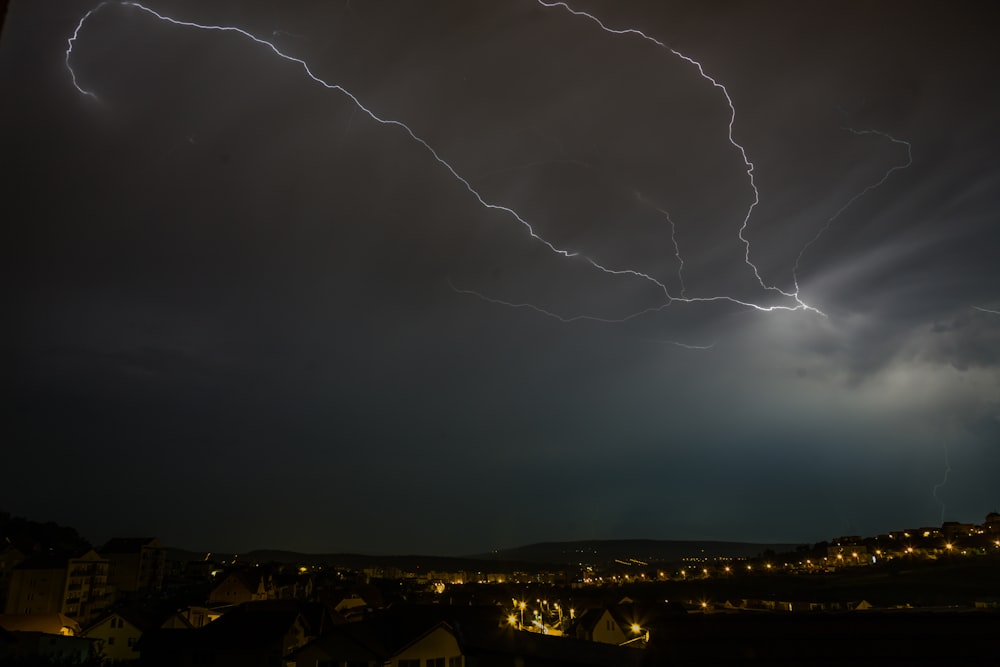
(60, 604)
(121, 603)
(951, 538)
(110, 605)
(246, 622)
(83, 587)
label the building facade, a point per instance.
(137, 564)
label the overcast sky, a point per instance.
(244, 313)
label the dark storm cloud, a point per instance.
(234, 289)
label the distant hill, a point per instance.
(555, 554)
(405, 562)
(603, 552)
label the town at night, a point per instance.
(462, 333)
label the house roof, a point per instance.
(242, 628)
(173, 620)
(625, 615)
(316, 616)
(134, 617)
(590, 618)
(248, 580)
(379, 638)
(479, 631)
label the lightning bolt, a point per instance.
(747, 164)
(548, 313)
(578, 318)
(677, 252)
(71, 42)
(944, 480)
(850, 202)
(799, 304)
(986, 310)
(673, 240)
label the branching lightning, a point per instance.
(748, 165)
(548, 313)
(371, 114)
(69, 50)
(669, 298)
(673, 241)
(873, 186)
(579, 318)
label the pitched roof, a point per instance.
(250, 581)
(590, 618)
(134, 617)
(254, 624)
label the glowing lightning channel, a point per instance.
(800, 305)
(578, 318)
(69, 50)
(383, 121)
(748, 165)
(677, 251)
(986, 310)
(850, 202)
(944, 480)
(673, 240)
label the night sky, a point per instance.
(242, 313)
